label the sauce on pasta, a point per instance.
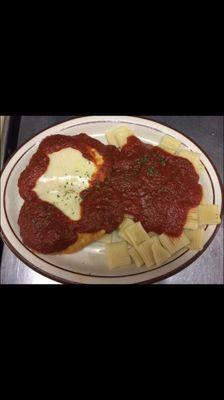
(141, 180)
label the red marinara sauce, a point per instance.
(141, 180)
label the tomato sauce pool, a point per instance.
(141, 180)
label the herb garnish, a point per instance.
(150, 171)
(143, 160)
(162, 160)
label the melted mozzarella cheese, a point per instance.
(67, 175)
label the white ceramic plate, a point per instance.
(89, 265)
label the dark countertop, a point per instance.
(207, 131)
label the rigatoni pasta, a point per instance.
(136, 257)
(170, 143)
(149, 248)
(118, 136)
(111, 138)
(179, 242)
(159, 253)
(192, 219)
(208, 214)
(136, 233)
(196, 239)
(145, 251)
(117, 255)
(126, 222)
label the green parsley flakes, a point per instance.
(150, 171)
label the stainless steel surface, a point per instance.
(3, 135)
(207, 131)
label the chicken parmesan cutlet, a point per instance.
(76, 189)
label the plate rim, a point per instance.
(112, 118)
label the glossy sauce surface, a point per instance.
(141, 180)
